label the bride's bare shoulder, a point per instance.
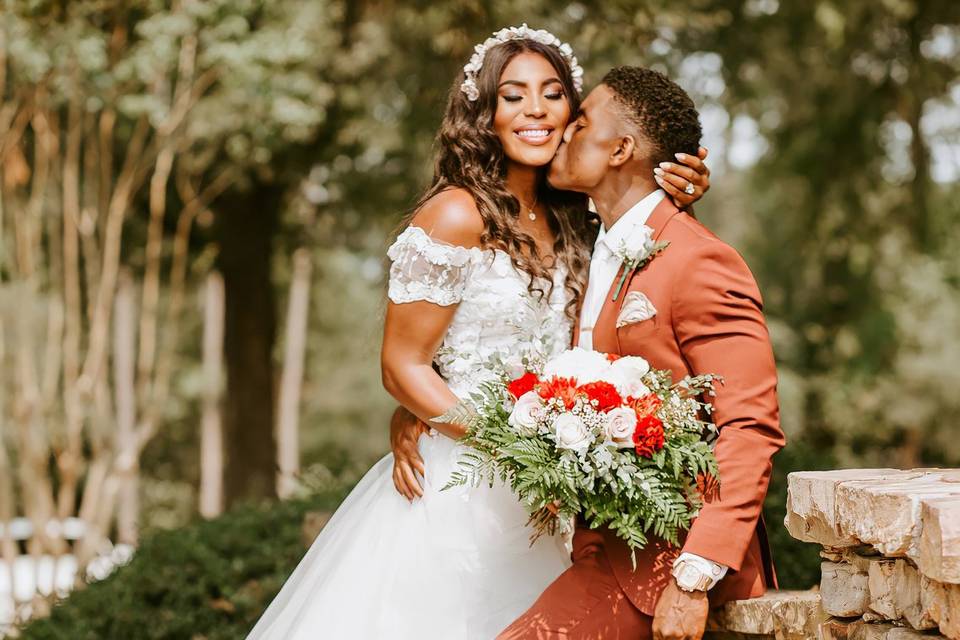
(451, 216)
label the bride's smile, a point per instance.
(535, 134)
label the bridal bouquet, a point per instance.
(596, 435)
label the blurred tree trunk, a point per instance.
(124, 380)
(291, 380)
(211, 434)
(245, 227)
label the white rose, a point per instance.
(628, 386)
(626, 374)
(571, 433)
(620, 425)
(583, 364)
(523, 418)
(639, 241)
(632, 364)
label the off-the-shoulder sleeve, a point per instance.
(426, 269)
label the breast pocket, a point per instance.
(638, 330)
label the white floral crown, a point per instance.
(523, 32)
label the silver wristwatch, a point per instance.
(690, 577)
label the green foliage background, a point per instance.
(834, 128)
(210, 580)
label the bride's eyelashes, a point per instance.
(554, 95)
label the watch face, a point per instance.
(688, 576)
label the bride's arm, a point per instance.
(412, 334)
(417, 322)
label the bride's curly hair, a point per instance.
(470, 156)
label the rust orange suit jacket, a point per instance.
(709, 320)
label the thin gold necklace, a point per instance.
(530, 210)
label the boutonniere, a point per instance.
(636, 252)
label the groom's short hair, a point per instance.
(664, 113)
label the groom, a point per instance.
(694, 309)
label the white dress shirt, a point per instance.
(604, 266)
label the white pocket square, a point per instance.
(636, 308)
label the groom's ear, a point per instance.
(623, 151)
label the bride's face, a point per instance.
(532, 110)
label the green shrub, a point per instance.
(207, 581)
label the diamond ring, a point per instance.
(689, 189)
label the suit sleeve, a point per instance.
(719, 325)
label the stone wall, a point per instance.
(890, 543)
(778, 615)
(891, 550)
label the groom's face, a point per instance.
(589, 142)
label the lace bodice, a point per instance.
(499, 322)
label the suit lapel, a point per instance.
(661, 215)
(605, 337)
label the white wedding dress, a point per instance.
(456, 564)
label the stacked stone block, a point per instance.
(891, 550)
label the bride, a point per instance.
(489, 270)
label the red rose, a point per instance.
(563, 388)
(612, 357)
(648, 436)
(604, 393)
(523, 384)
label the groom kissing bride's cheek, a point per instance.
(491, 276)
(697, 310)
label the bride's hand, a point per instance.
(674, 178)
(405, 430)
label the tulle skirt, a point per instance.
(454, 565)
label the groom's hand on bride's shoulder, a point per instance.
(680, 615)
(405, 430)
(685, 180)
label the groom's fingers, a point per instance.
(399, 483)
(410, 479)
(405, 481)
(404, 484)
(412, 458)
